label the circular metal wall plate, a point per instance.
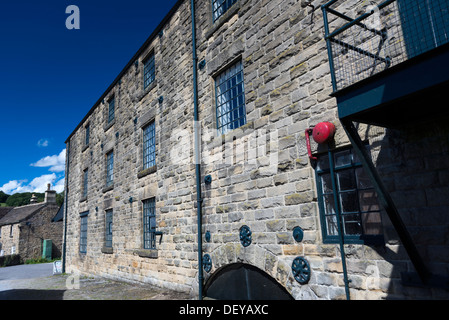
(207, 263)
(298, 234)
(245, 236)
(301, 270)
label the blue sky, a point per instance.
(51, 76)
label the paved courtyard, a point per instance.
(37, 282)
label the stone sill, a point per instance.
(230, 136)
(147, 171)
(109, 125)
(223, 19)
(146, 253)
(85, 148)
(83, 199)
(145, 91)
(107, 250)
(108, 188)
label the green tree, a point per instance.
(21, 199)
(60, 198)
(3, 197)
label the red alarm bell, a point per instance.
(323, 132)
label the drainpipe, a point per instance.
(64, 241)
(196, 125)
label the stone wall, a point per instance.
(37, 229)
(261, 174)
(10, 239)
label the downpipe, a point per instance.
(196, 125)
(66, 195)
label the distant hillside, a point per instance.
(21, 199)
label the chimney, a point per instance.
(33, 199)
(50, 195)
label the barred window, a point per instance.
(148, 71)
(110, 168)
(354, 199)
(219, 7)
(149, 223)
(149, 146)
(108, 229)
(111, 113)
(85, 182)
(230, 99)
(87, 135)
(83, 232)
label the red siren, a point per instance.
(323, 132)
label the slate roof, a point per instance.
(60, 215)
(4, 211)
(19, 214)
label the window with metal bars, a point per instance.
(149, 71)
(87, 135)
(230, 99)
(111, 111)
(149, 146)
(149, 223)
(85, 182)
(110, 169)
(108, 229)
(219, 7)
(83, 232)
(353, 199)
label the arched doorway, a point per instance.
(240, 281)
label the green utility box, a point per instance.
(46, 249)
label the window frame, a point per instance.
(83, 231)
(109, 222)
(85, 183)
(223, 3)
(149, 145)
(149, 70)
(230, 103)
(149, 220)
(110, 168)
(362, 238)
(111, 110)
(86, 135)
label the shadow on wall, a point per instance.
(413, 162)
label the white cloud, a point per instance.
(55, 162)
(38, 184)
(43, 143)
(14, 185)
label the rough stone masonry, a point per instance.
(260, 172)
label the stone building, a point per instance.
(24, 229)
(192, 171)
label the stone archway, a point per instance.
(258, 267)
(241, 281)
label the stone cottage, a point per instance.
(202, 169)
(24, 229)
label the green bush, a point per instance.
(38, 260)
(10, 260)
